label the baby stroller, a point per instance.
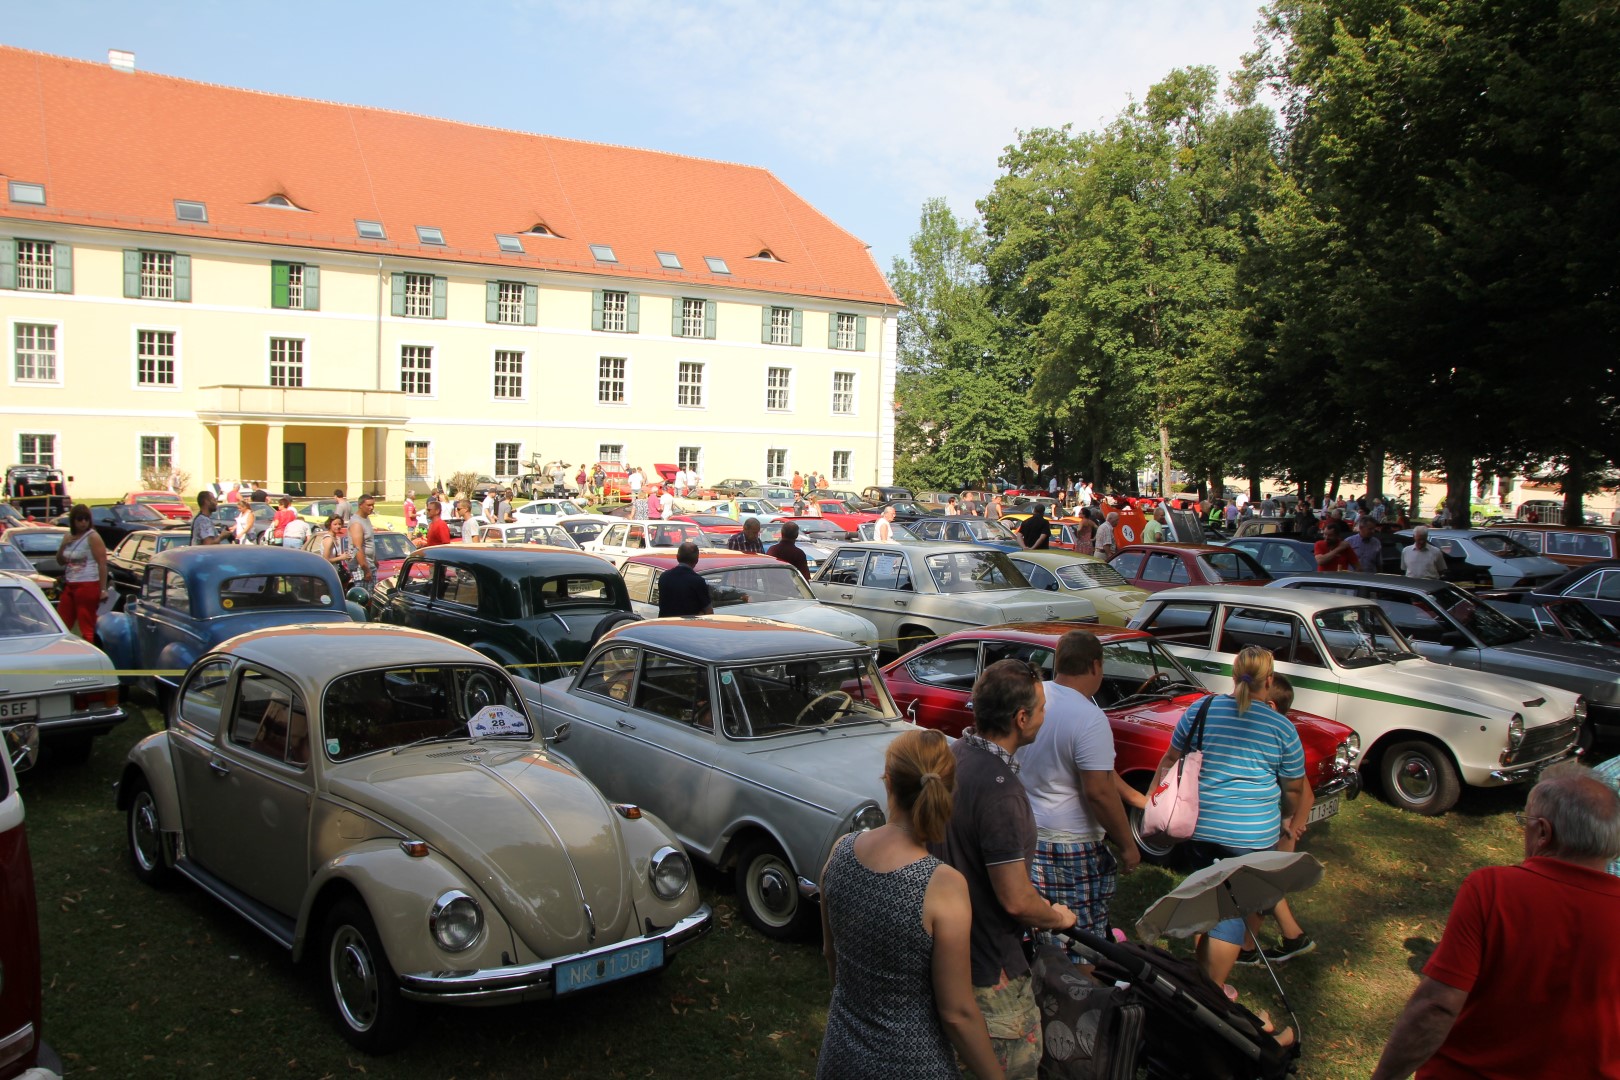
(1142, 1011)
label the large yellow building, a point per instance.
(248, 286)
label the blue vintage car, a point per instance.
(192, 599)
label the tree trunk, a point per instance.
(1572, 484)
(1375, 473)
(1417, 492)
(1164, 458)
(1333, 488)
(1459, 467)
(1217, 483)
(1254, 483)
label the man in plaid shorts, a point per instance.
(1068, 772)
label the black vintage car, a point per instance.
(114, 521)
(126, 564)
(534, 609)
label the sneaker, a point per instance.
(1249, 957)
(1291, 947)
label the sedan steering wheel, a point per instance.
(818, 699)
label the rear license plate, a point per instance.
(1323, 810)
(596, 970)
(17, 710)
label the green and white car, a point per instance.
(1425, 729)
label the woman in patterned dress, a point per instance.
(896, 925)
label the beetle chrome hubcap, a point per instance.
(144, 832)
(772, 890)
(354, 979)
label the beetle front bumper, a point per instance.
(528, 982)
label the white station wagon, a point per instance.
(1425, 729)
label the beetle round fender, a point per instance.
(149, 763)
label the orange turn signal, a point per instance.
(628, 810)
(416, 849)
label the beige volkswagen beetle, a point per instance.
(374, 797)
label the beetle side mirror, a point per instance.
(559, 733)
(22, 746)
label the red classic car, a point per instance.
(1167, 566)
(835, 511)
(167, 503)
(1145, 691)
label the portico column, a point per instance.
(354, 461)
(206, 470)
(392, 468)
(229, 454)
(275, 436)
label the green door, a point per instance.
(292, 468)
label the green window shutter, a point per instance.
(765, 325)
(832, 330)
(182, 278)
(132, 273)
(675, 321)
(312, 288)
(632, 313)
(860, 333)
(441, 297)
(531, 305)
(398, 294)
(596, 310)
(62, 259)
(798, 327)
(492, 301)
(280, 273)
(8, 263)
(708, 318)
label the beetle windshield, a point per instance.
(385, 709)
(794, 695)
(974, 571)
(22, 615)
(1361, 636)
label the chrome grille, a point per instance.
(1539, 742)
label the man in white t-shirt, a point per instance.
(1423, 559)
(487, 508)
(1068, 772)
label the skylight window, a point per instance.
(188, 210)
(669, 260)
(427, 234)
(370, 230)
(30, 194)
(717, 265)
(603, 253)
(510, 244)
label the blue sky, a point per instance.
(865, 109)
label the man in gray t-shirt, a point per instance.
(1365, 543)
(363, 535)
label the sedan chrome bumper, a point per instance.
(526, 982)
(1348, 785)
(92, 722)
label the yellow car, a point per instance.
(1085, 575)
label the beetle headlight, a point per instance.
(456, 921)
(1515, 731)
(669, 873)
(866, 818)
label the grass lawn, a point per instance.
(142, 983)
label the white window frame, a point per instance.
(602, 455)
(854, 394)
(688, 304)
(786, 327)
(426, 298)
(56, 446)
(404, 466)
(509, 302)
(696, 466)
(787, 390)
(11, 352)
(174, 448)
(295, 288)
(50, 268)
(621, 316)
(433, 368)
(517, 459)
(682, 386)
(838, 318)
(269, 363)
(522, 375)
(849, 467)
(155, 278)
(135, 359)
(597, 397)
(787, 464)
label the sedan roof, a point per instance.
(1054, 630)
(1196, 549)
(1387, 581)
(517, 558)
(729, 639)
(710, 560)
(1303, 602)
(314, 653)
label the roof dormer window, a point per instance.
(765, 255)
(512, 245)
(20, 191)
(716, 264)
(603, 253)
(540, 228)
(669, 260)
(279, 202)
(370, 230)
(427, 234)
(190, 210)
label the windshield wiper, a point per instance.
(458, 734)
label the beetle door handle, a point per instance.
(625, 724)
(899, 603)
(846, 596)
(219, 766)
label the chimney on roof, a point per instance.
(121, 59)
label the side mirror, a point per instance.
(22, 746)
(559, 733)
(1454, 639)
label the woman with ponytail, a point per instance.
(896, 924)
(1252, 778)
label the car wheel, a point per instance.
(1157, 849)
(768, 890)
(479, 692)
(913, 637)
(618, 618)
(145, 834)
(1418, 776)
(363, 988)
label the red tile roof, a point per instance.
(115, 149)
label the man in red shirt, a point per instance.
(1333, 551)
(437, 531)
(1527, 976)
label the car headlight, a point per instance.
(670, 873)
(1342, 757)
(456, 921)
(867, 818)
(1515, 731)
